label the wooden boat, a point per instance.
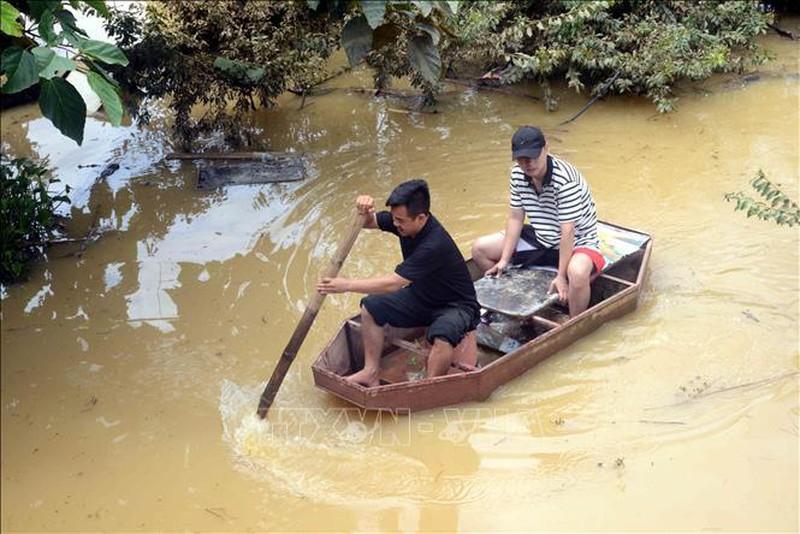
(615, 292)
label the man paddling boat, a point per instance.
(431, 287)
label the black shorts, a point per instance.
(536, 256)
(403, 309)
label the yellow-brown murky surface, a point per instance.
(130, 372)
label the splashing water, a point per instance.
(331, 455)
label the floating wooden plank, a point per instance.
(211, 175)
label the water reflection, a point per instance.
(136, 151)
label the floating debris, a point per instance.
(211, 175)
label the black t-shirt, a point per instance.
(434, 265)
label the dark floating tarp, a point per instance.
(269, 169)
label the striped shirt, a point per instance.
(565, 198)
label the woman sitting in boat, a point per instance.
(431, 287)
(563, 222)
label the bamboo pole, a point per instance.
(299, 335)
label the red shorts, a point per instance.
(598, 260)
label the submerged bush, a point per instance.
(625, 46)
(775, 206)
(217, 60)
(27, 215)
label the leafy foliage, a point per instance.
(8, 19)
(633, 46)
(399, 39)
(218, 60)
(776, 206)
(26, 213)
(24, 64)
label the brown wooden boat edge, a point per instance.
(537, 350)
(400, 397)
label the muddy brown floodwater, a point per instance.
(130, 371)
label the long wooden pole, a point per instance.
(307, 320)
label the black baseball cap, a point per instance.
(527, 142)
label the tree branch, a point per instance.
(603, 90)
(781, 31)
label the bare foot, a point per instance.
(365, 377)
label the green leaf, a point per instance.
(20, 69)
(99, 6)
(374, 11)
(46, 30)
(443, 7)
(72, 38)
(424, 57)
(240, 71)
(108, 95)
(69, 28)
(67, 20)
(425, 6)
(105, 52)
(43, 55)
(356, 39)
(37, 8)
(255, 74)
(103, 72)
(50, 63)
(430, 30)
(62, 104)
(58, 66)
(312, 4)
(8, 20)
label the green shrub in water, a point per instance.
(26, 213)
(625, 46)
(229, 58)
(776, 206)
